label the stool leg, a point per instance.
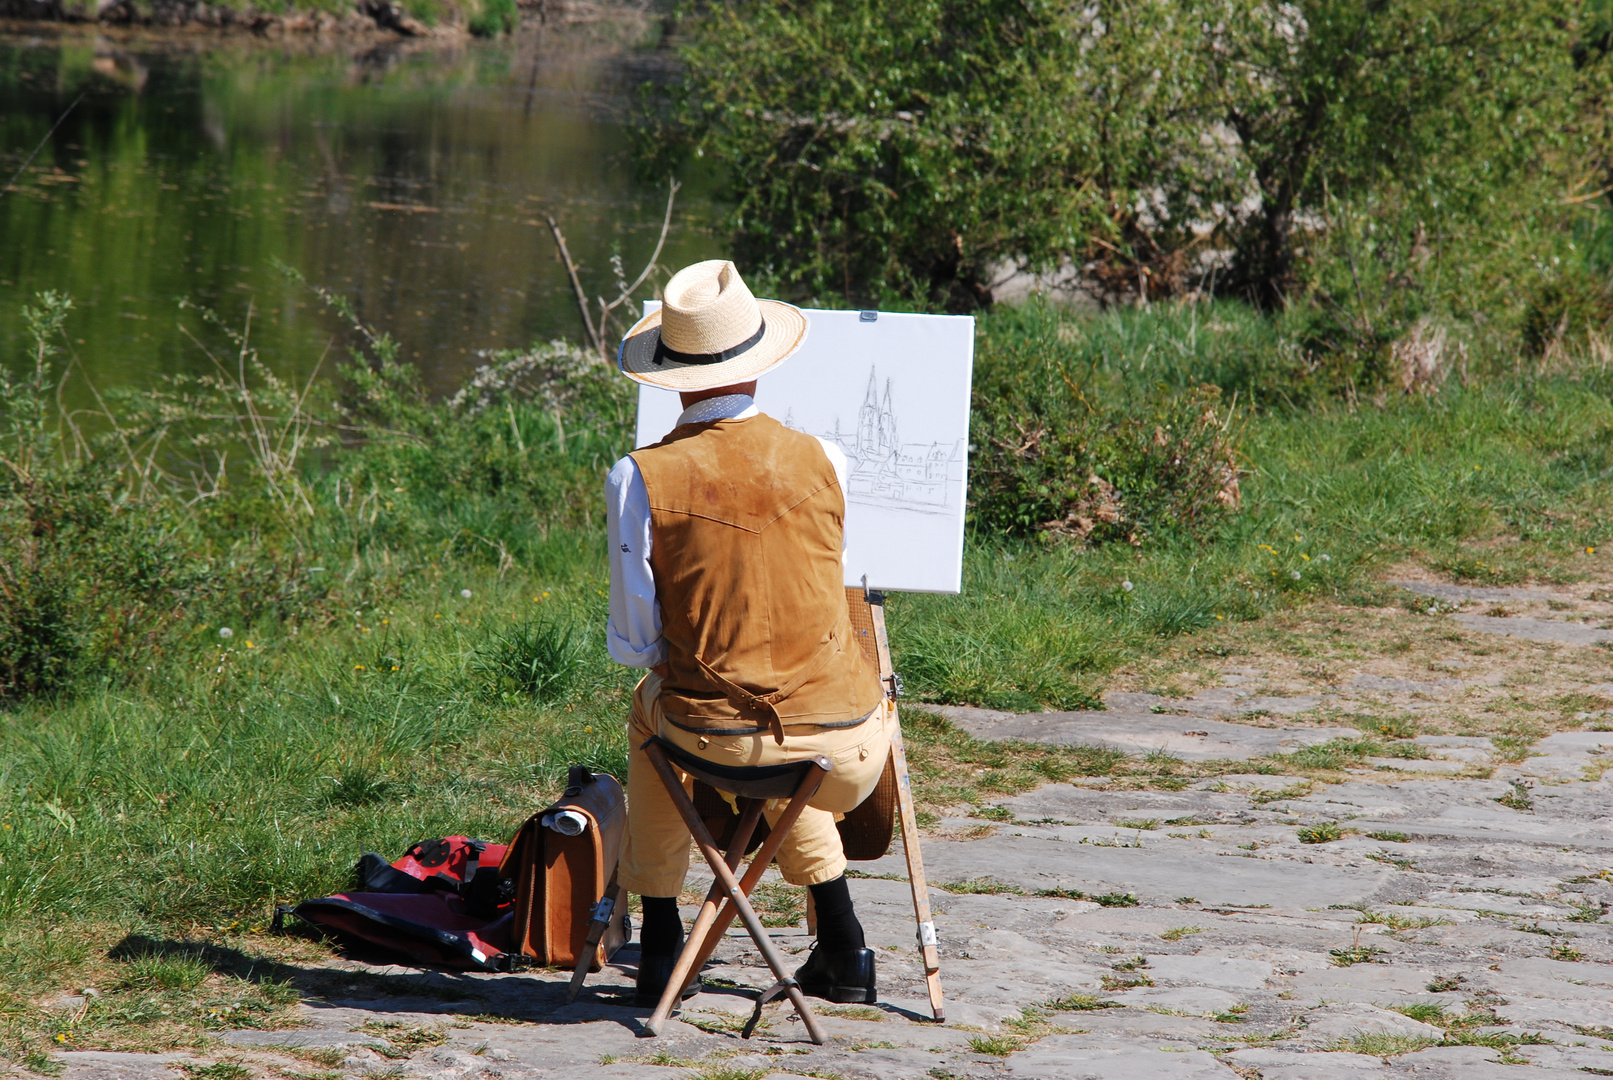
(686, 966)
(719, 866)
(758, 865)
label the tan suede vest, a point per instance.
(745, 545)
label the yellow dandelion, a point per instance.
(358, 667)
(1590, 551)
(588, 730)
(1307, 558)
(249, 645)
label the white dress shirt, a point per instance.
(634, 632)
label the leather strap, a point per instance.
(767, 704)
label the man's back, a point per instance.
(746, 518)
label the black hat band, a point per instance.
(664, 352)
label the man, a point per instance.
(726, 547)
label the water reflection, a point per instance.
(415, 181)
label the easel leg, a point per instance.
(915, 875)
(910, 827)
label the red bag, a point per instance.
(443, 903)
(431, 928)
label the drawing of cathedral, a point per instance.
(885, 471)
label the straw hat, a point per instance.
(710, 331)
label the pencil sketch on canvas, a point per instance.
(921, 477)
(892, 392)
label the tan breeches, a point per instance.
(655, 856)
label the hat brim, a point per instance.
(786, 329)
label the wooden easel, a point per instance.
(867, 609)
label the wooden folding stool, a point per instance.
(754, 787)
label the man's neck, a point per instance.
(689, 397)
(722, 407)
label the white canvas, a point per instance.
(893, 393)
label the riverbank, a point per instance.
(424, 19)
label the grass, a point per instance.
(1517, 797)
(1355, 954)
(982, 886)
(399, 1040)
(1324, 832)
(1383, 1046)
(1566, 952)
(218, 1070)
(1177, 933)
(1401, 922)
(1080, 1003)
(1114, 899)
(779, 903)
(1426, 1012)
(1114, 983)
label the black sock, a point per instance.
(838, 928)
(662, 933)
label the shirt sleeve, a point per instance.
(633, 634)
(837, 461)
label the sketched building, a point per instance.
(882, 469)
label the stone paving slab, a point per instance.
(1462, 594)
(1559, 630)
(1191, 738)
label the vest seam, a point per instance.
(770, 522)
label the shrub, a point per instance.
(1390, 156)
(494, 18)
(1061, 452)
(95, 570)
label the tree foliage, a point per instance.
(923, 149)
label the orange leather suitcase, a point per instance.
(559, 878)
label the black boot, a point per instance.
(840, 968)
(660, 941)
(844, 976)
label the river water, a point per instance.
(414, 180)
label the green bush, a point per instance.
(1063, 451)
(495, 17)
(96, 572)
(1404, 149)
